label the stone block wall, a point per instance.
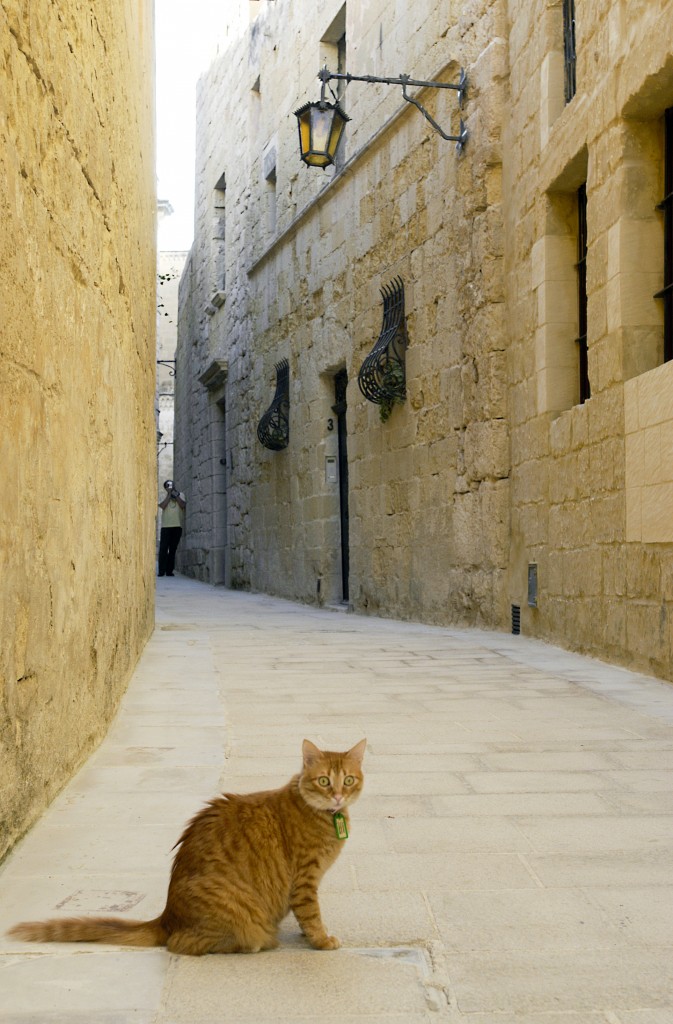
(428, 490)
(588, 505)
(77, 290)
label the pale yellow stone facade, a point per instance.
(77, 292)
(589, 506)
(492, 465)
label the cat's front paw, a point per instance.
(326, 942)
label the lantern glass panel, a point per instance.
(337, 131)
(322, 126)
(305, 132)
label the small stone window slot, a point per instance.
(382, 377)
(666, 206)
(273, 430)
(532, 585)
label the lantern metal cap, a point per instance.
(322, 105)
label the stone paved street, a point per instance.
(510, 861)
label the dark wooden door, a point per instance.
(339, 407)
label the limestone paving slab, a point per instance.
(176, 756)
(166, 808)
(524, 981)
(436, 872)
(637, 781)
(499, 781)
(588, 1017)
(516, 804)
(664, 1016)
(111, 849)
(110, 980)
(644, 914)
(316, 983)
(482, 835)
(128, 778)
(29, 898)
(623, 870)
(125, 1016)
(298, 1017)
(618, 833)
(525, 919)
(641, 803)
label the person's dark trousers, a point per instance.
(168, 545)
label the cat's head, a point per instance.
(331, 781)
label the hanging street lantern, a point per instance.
(321, 126)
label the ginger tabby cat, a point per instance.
(243, 863)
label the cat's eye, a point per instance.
(349, 780)
(323, 781)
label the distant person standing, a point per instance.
(172, 518)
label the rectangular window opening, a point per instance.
(269, 173)
(583, 352)
(333, 54)
(218, 236)
(666, 205)
(569, 54)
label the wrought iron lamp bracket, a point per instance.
(405, 81)
(273, 430)
(382, 377)
(170, 363)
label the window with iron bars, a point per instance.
(569, 48)
(666, 205)
(585, 389)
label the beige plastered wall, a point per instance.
(77, 350)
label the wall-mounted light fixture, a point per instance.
(170, 363)
(321, 124)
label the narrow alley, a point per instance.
(509, 861)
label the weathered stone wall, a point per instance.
(77, 291)
(591, 483)
(305, 262)
(492, 464)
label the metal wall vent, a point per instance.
(516, 619)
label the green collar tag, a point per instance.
(340, 826)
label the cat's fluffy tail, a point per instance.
(113, 930)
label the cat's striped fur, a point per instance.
(243, 863)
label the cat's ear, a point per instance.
(310, 752)
(358, 751)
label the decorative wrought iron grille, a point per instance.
(582, 307)
(274, 427)
(666, 205)
(569, 49)
(382, 377)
